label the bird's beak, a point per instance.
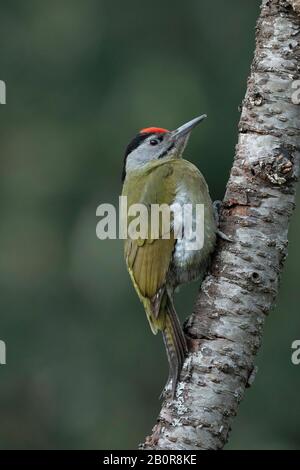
(186, 128)
(180, 136)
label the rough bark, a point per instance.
(225, 330)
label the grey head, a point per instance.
(154, 143)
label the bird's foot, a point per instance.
(165, 391)
(217, 208)
(223, 236)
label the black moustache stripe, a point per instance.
(163, 154)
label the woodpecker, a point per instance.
(155, 172)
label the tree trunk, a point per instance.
(225, 330)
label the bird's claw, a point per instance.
(164, 392)
(216, 208)
(224, 237)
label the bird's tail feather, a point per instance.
(175, 344)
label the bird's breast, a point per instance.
(196, 241)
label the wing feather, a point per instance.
(149, 260)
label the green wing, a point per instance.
(148, 260)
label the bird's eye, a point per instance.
(154, 142)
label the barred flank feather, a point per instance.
(175, 344)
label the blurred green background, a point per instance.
(83, 369)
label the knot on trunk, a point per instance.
(277, 169)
